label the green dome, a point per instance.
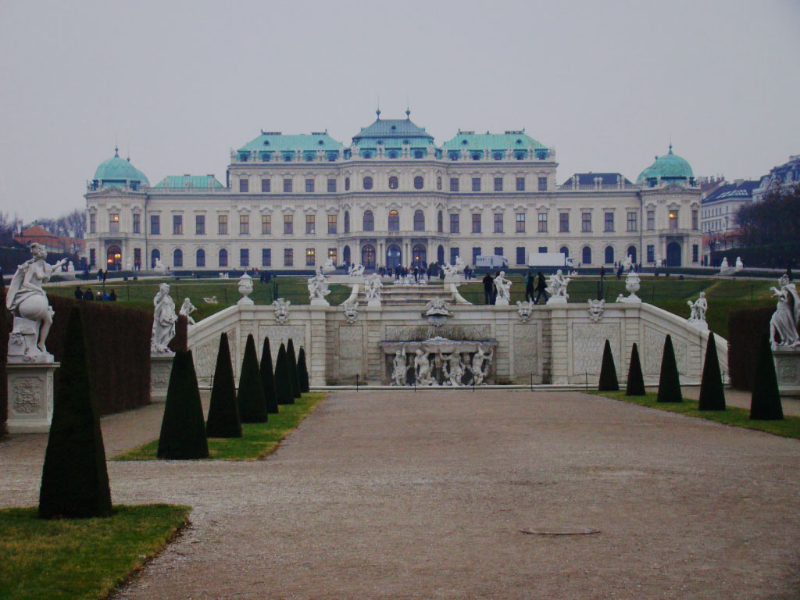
(669, 168)
(117, 171)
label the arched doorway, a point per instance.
(368, 256)
(346, 254)
(419, 256)
(632, 254)
(394, 256)
(609, 255)
(114, 258)
(440, 254)
(673, 254)
(586, 256)
(177, 258)
(154, 256)
(565, 251)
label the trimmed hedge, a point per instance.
(765, 404)
(669, 383)
(302, 369)
(223, 411)
(608, 371)
(181, 339)
(635, 383)
(745, 328)
(712, 394)
(183, 428)
(268, 379)
(295, 376)
(252, 404)
(283, 383)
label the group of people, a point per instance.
(89, 295)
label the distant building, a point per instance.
(718, 214)
(51, 242)
(782, 176)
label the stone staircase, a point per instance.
(410, 295)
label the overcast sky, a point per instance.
(178, 84)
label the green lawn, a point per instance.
(80, 558)
(257, 441)
(140, 294)
(738, 417)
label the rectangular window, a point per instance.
(92, 256)
(651, 221)
(651, 253)
(288, 224)
(453, 255)
(309, 185)
(695, 253)
(177, 224)
(498, 251)
(632, 221)
(542, 222)
(476, 184)
(137, 259)
(476, 223)
(454, 184)
(498, 184)
(93, 223)
(673, 219)
(155, 225)
(586, 222)
(498, 222)
(519, 220)
(222, 225)
(563, 222)
(287, 186)
(288, 257)
(244, 185)
(476, 252)
(266, 224)
(454, 223)
(137, 223)
(266, 185)
(608, 221)
(113, 223)
(520, 184)
(333, 254)
(266, 257)
(331, 186)
(311, 225)
(694, 220)
(332, 222)
(542, 249)
(244, 257)
(244, 224)
(542, 184)
(311, 257)
(199, 224)
(521, 255)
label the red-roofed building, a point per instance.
(51, 241)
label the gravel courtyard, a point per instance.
(425, 495)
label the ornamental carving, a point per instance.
(26, 394)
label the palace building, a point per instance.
(390, 197)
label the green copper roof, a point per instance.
(669, 167)
(117, 171)
(189, 181)
(393, 133)
(510, 140)
(276, 141)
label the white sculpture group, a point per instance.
(372, 290)
(318, 289)
(785, 323)
(456, 368)
(697, 314)
(356, 271)
(726, 269)
(187, 308)
(164, 319)
(557, 288)
(503, 287)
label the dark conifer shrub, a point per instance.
(74, 477)
(223, 412)
(283, 383)
(302, 371)
(608, 371)
(765, 404)
(268, 378)
(183, 429)
(635, 385)
(290, 354)
(669, 383)
(252, 404)
(712, 394)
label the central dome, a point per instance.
(669, 168)
(117, 171)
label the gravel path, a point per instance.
(423, 495)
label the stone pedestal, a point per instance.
(374, 303)
(30, 397)
(787, 368)
(160, 369)
(501, 302)
(557, 300)
(319, 302)
(699, 325)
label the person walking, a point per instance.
(541, 288)
(529, 281)
(488, 284)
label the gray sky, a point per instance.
(181, 83)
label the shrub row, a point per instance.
(745, 329)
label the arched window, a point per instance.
(346, 254)
(440, 222)
(368, 256)
(346, 184)
(419, 221)
(201, 258)
(369, 221)
(347, 221)
(632, 253)
(223, 258)
(586, 257)
(177, 258)
(419, 256)
(367, 183)
(394, 220)
(154, 256)
(393, 182)
(419, 182)
(609, 255)
(565, 251)
(440, 254)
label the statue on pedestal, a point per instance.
(400, 371)
(164, 319)
(455, 370)
(784, 325)
(503, 287)
(245, 289)
(557, 288)
(372, 289)
(479, 373)
(318, 288)
(187, 308)
(33, 315)
(698, 308)
(422, 368)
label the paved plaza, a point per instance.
(425, 495)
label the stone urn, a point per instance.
(245, 289)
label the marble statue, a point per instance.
(455, 370)
(557, 288)
(281, 307)
(479, 372)
(187, 308)
(525, 310)
(628, 263)
(350, 311)
(372, 289)
(328, 267)
(164, 319)
(356, 271)
(459, 265)
(659, 260)
(318, 289)
(33, 315)
(724, 264)
(210, 300)
(739, 263)
(245, 289)
(785, 322)
(160, 266)
(400, 369)
(596, 309)
(450, 272)
(698, 308)
(422, 368)
(503, 287)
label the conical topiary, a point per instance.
(283, 384)
(635, 384)
(712, 394)
(293, 369)
(608, 371)
(183, 429)
(302, 371)
(766, 400)
(669, 383)
(74, 477)
(252, 404)
(223, 411)
(268, 378)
